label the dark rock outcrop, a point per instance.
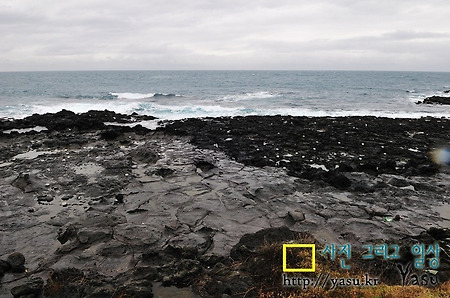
(322, 149)
(442, 100)
(30, 289)
(64, 120)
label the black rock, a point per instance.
(67, 120)
(17, 262)
(119, 198)
(44, 198)
(440, 234)
(31, 289)
(204, 165)
(442, 100)
(180, 252)
(110, 134)
(371, 145)
(338, 180)
(67, 232)
(164, 172)
(343, 167)
(5, 266)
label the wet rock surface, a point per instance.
(442, 100)
(323, 148)
(99, 210)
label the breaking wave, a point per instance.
(248, 96)
(175, 112)
(138, 96)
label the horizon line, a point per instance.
(223, 70)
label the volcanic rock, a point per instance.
(442, 100)
(17, 262)
(173, 205)
(30, 289)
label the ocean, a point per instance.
(185, 94)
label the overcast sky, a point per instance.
(231, 34)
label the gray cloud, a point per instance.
(201, 34)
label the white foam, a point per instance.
(134, 96)
(82, 107)
(418, 98)
(18, 111)
(188, 108)
(150, 124)
(25, 130)
(248, 96)
(139, 96)
(176, 112)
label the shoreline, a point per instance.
(175, 202)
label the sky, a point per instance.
(411, 35)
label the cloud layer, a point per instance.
(201, 34)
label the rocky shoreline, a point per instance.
(110, 210)
(436, 99)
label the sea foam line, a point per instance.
(138, 96)
(175, 112)
(248, 96)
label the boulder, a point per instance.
(30, 289)
(17, 262)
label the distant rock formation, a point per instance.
(442, 100)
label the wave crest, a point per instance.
(138, 96)
(248, 96)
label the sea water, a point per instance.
(184, 94)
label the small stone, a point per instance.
(45, 198)
(66, 233)
(31, 288)
(17, 262)
(296, 215)
(397, 218)
(204, 165)
(164, 172)
(119, 199)
(66, 198)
